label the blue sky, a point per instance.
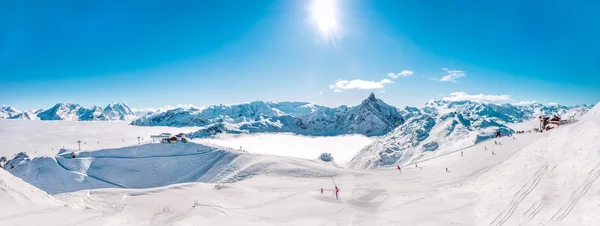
(155, 53)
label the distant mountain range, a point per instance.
(72, 112)
(372, 117)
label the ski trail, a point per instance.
(567, 208)
(519, 197)
(27, 214)
(137, 157)
(532, 211)
(87, 175)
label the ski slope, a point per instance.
(23, 204)
(548, 178)
(156, 165)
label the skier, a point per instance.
(416, 166)
(447, 170)
(321, 190)
(399, 169)
(485, 147)
(493, 153)
(336, 192)
(461, 153)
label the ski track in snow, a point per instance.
(567, 208)
(87, 175)
(519, 196)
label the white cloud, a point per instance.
(525, 102)
(552, 103)
(401, 74)
(451, 75)
(462, 96)
(321, 92)
(341, 85)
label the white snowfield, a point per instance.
(548, 178)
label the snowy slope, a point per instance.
(24, 204)
(445, 126)
(154, 165)
(554, 181)
(16, 191)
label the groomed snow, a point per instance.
(156, 165)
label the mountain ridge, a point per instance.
(450, 125)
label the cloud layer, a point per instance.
(341, 85)
(462, 96)
(401, 74)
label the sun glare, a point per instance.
(324, 14)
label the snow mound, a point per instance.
(155, 165)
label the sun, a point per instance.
(324, 15)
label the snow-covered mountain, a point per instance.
(238, 113)
(72, 112)
(372, 117)
(8, 111)
(446, 126)
(117, 111)
(64, 111)
(27, 115)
